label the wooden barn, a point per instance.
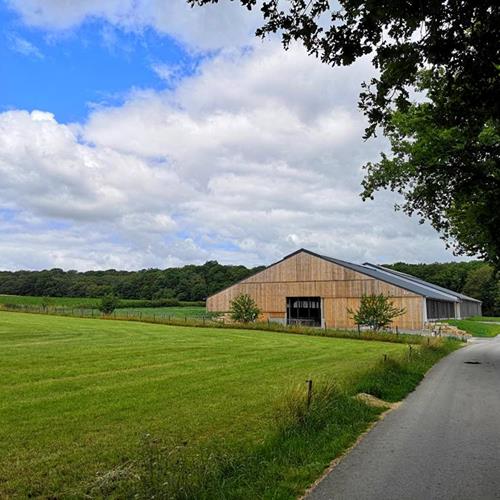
(315, 290)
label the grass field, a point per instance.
(190, 312)
(78, 395)
(488, 319)
(56, 301)
(477, 327)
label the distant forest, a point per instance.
(193, 283)
(190, 283)
(475, 279)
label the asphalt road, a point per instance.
(442, 442)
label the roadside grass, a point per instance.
(495, 319)
(298, 450)
(476, 327)
(392, 379)
(78, 396)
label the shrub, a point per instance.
(375, 311)
(108, 304)
(244, 309)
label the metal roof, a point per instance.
(396, 278)
(460, 296)
(425, 289)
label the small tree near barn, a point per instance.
(375, 311)
(108, 304)
(244, 309)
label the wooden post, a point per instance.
(397, 330)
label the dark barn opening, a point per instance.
(303, 311)
(439, 309)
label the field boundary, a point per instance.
(210, 322)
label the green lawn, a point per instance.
(494, 319)
(77, 394)
(29, 300)
(476, 327)
(189, 312)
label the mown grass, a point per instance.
(28, 300)
(188, 312)
(476, 327)
(94, 302)
(494, 319)
(307, 434)
(78, 395)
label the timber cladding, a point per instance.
(304, 274)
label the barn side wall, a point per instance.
(304, 275)
(469, 308)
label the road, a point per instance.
(443, 442)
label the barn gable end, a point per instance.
(305, 274)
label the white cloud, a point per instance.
(208, 28)
(257, 154)
(22, 46)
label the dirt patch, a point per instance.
(370, 400)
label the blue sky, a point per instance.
(96, 63)
(143, 133)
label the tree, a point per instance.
(447, 51)
(108, 304)
(46, 302)
(448, 174)
(482, 285)
(244, 309)
(375, 311)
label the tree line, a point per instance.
(197, 282)
(475, 279)
(188, 283)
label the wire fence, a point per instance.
(214, 321)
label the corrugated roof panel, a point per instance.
(421, 281)
(399, 281)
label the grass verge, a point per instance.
(476, 327)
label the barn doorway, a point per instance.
(303, 311)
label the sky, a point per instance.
(145, 133)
